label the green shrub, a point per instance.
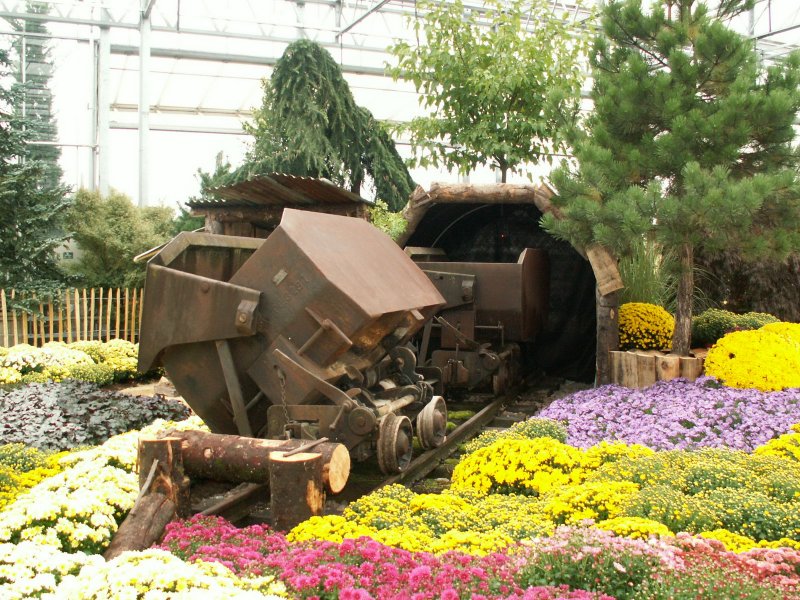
(714, 323)
(101, 374)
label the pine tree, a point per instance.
(31, 211)
(689, 142)
(33, 75)
(309, 124)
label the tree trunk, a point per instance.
(143, 526)
(295, 488)
(607, 334)
(681, 339)
(168, 477)
(239, 459)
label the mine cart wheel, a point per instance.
(394, 443)
(432, 424)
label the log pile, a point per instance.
(293, 474)
(642, 368)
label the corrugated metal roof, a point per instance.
(279, 189)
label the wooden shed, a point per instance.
(253, 208)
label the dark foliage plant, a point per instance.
(60, 416)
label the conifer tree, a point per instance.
(309, 124)
(35, 106)
(690, 142)
(31, 211)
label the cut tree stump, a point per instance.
(668, 367)
(170, 477)
(691, 367)
(163, 496)
(237, 459)
(643, 368)
(296, 492)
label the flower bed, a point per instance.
(676, 414)
(527, 515)
(96, 362)
(574, 562)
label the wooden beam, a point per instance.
(234, 389)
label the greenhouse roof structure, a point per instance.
(196, 66)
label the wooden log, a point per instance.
(91, 316)
(168, 477)
(221, 457)
(109, 304)
(607, 307)
(606, 272)
(4, 315)
(141, 308)
(133, 335)
(51, 318)
(14, 319)
(35, 329)
(68, 315)
(143, 526)
(85, 315)
(630, 371)
(25, 339)
(126, 313)
(296, 492)
(465, 193)
(691, 367)
(77, 315)
(119, 308)
(42, 324)
(615, 364)
(60, 318)
(668, 367)
(645, 369)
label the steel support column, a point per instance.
(103, 103)
(144, 108)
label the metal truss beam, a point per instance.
(221, 57)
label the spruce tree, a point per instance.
(690, 142)
(31, 210)
(309, 124)
(33, 73)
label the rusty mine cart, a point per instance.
(325, 328)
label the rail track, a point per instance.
(246, 503)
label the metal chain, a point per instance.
(282, 380)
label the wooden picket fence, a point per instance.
(100, 314)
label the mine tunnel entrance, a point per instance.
(498, 233)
